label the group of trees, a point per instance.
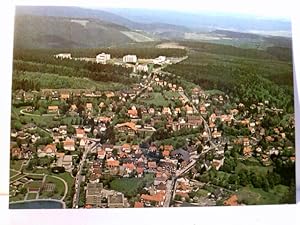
(71, 68)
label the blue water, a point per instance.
(37, 204)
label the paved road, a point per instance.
(35, 115)
(171, 184)
(66, 186)
(78, 177)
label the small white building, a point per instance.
(142, 68)
(102, 58)
(63, 56)
(159, 60)
(130, 59)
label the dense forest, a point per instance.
(273, 53)
(249, 75)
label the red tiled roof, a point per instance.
(113, 163)
(138, 205)
(131, 125)
(132, 112)
(130, 166)
(80, 131)
(152, 164)
(232, 201)
(155, 198)
(140, 170)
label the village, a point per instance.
(145, 146)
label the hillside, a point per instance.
(77, 12)
(54, 32)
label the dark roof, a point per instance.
(182, 154)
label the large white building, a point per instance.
(102, 58)
(63, 56)
(130, 59)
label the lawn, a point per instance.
(257, 196)
(257, 169)
(201, 193)
(12, 173)
(68, 178)
(172, 94)
(58, 191)
(35, 177)
(156, 99)
(31, 196)
(131, 186)
(16, 164)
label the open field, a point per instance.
(131, 186)
(256, 196)
(31, 196)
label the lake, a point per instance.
(37, 204)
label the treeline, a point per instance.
(281, 53)
(93, 71)
(238, 52)
(24, 84)
(44, 55)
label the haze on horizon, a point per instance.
(266, 9)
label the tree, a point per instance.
(23, 191)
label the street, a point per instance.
(78, 177)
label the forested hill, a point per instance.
(53, 32)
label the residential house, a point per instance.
(73, 108)
(126, 148)
(194, 121)
(152, 166)
(67, 162)
(111, 163)
(189, 110)
(232, 201)
(156, 199)
(16, 153)
(132, 113)
(166, 111)
(80, 133)
(64, 96)
(247, 151)
(216, 134)
(52, 109)
(69, 144)
(49, 150)
(89, 107)
(138, 205)
(128, 127)
(129, 167)
(101, 153)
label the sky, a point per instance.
(262, 8)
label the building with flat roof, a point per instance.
(102, 58)
(130, 59)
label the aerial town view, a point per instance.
(109, 111)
